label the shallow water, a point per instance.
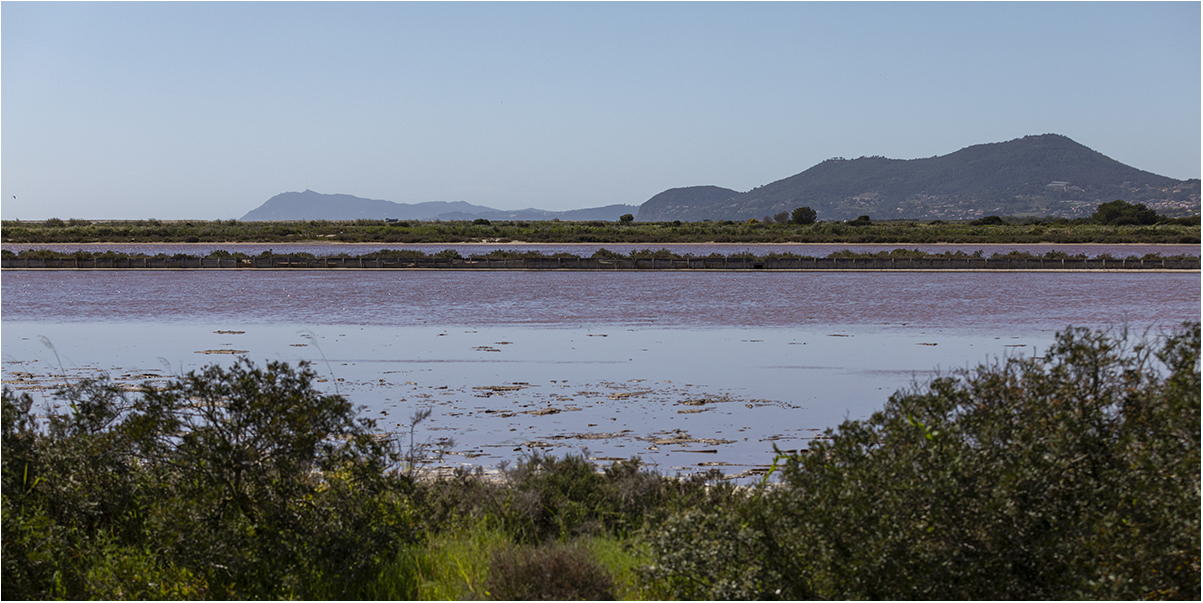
(622, 364)
(975, 301)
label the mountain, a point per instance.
(609, 213)
(676, 202)
(1046, 175)
(310, 205)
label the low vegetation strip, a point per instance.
(1071, 475)
(898, 259)
(902, 232)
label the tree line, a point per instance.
(1122, 223)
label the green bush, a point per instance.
(714, 554)
(553, 572)
(544, 499)
(1074, 475)
(605, 254)
(227, 483)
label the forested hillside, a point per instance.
(1047, 175)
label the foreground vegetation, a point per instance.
(1074, 475)
(1181, 231)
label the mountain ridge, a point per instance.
(1046, 174)
(312, 205)
(1040, 175)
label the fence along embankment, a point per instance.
(730, 263)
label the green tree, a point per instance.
(626, 218)
(988, 221)
(803, 216)
(1119, 213)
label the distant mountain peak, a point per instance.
(312, 205)
(1004, 178)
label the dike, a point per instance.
(609, 264)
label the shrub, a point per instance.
(544, 498)
(1014, 254)
(712, 554)
(554, 572)
(397, 253)
(1069, 476)
(605, 254)
(41, 254)
(549, 498)
(228, 483)
(1062, 255)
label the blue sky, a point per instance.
(206, 110)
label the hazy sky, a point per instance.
(206, 110)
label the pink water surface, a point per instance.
(778, 356)
(961, 300)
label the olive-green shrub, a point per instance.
(1074, 475)
(226, 483)
(550, 572)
